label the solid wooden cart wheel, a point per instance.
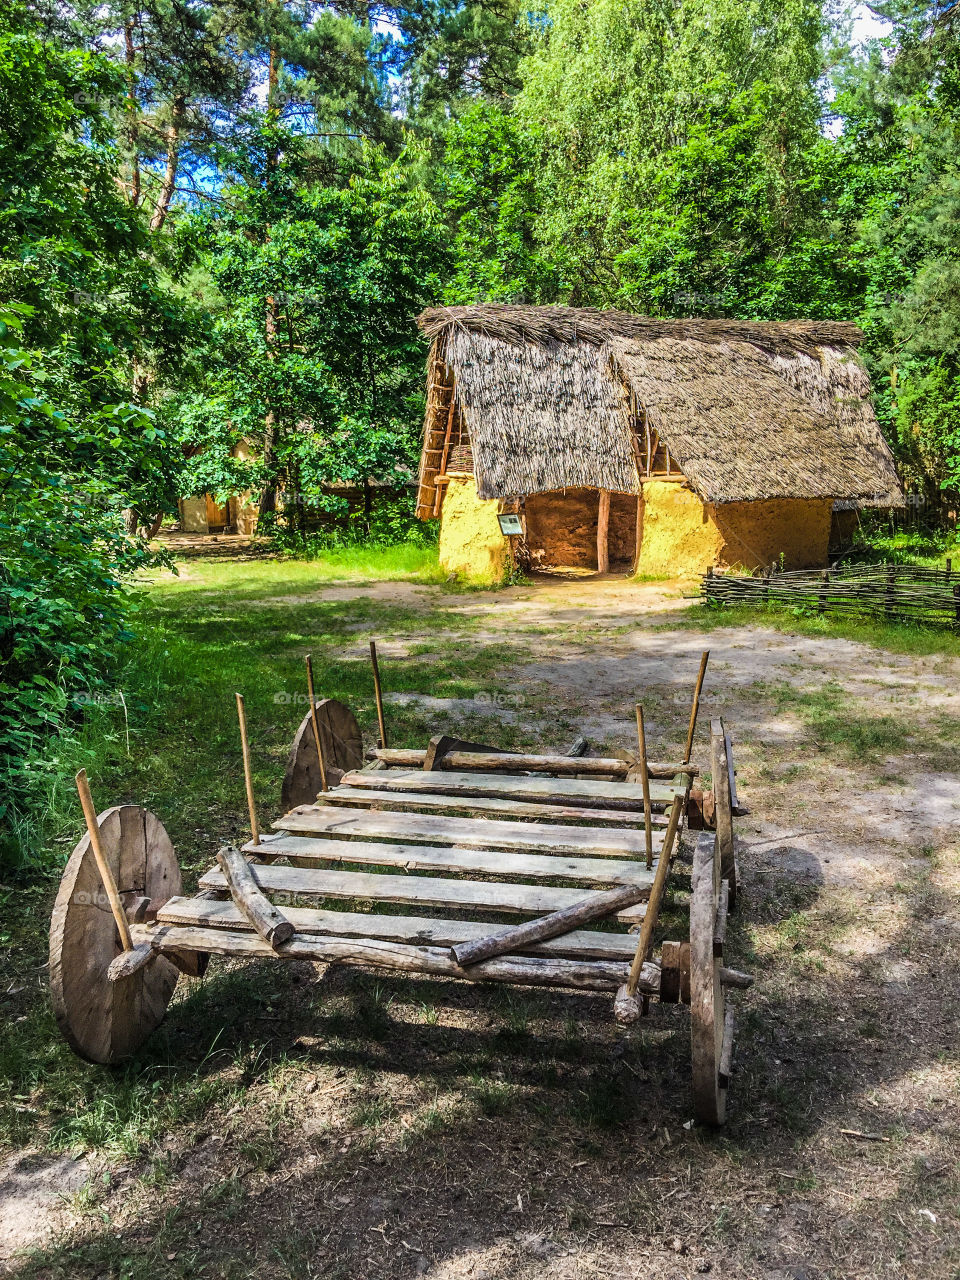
(106, 1021)
(342, 751)
(711, 1024)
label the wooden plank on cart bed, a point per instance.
(468, 833)
(581, 944)
(547, 971)
(426, 891)
(414, 857)
(359, 798)
(600, 795)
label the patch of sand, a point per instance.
(34, 1194)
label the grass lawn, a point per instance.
(287, 1121)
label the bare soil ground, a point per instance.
(361, 1126)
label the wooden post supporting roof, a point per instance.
(603, 532)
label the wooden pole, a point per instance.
(645, 783)
(554, 925)
(723, 800)
(316, 726)
(603, 532)
(106, 875)
(653, 903)
(378, 692)
(272, 925)
(247, 771)
(463, 760)
(694, 710)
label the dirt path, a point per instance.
(391, 1128)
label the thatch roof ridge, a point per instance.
(545, 326)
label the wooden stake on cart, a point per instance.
(247, 771)
(316, 727)
(378, 693)
(645, 783)
(696, 705)
(103, 866)
(626, 1008)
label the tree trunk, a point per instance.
(133, 132)
(169, 184)
(268, 495)
(267, 502)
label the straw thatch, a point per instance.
(550, 399)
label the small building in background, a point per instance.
(657, 447)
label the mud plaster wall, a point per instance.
(683, 537)
(561, 527)
(470, 539)
(757, 533)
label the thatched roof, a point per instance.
(551, 396)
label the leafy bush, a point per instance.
(64, 567)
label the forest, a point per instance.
(219, 220)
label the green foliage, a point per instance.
(70, 245)
(82, 307)
(927, 410)
(64, 560)
(616, 89)
(315, 365)
(389, 522)
(493, 199)
(736, 220)
(897, 167)
(456, 53)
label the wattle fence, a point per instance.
(892, 591)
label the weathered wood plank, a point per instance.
(590, 975)
(599, 794)
(359, 798)
(426, 891)
(413, 857)
(468, 833)
(581, 944)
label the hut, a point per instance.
(659, 446)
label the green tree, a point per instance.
(493, 199)
(331, 391)
(740, 221)
(451, 54)
(71, 247)
(64, 563)
(895, 167)
(613, 88)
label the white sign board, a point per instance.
(510, 526)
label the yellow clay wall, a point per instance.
(678, 538)
(756, 533)
(682, 536)
(470, 539)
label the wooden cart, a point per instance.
(441, 846)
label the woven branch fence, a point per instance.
(901, 591)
